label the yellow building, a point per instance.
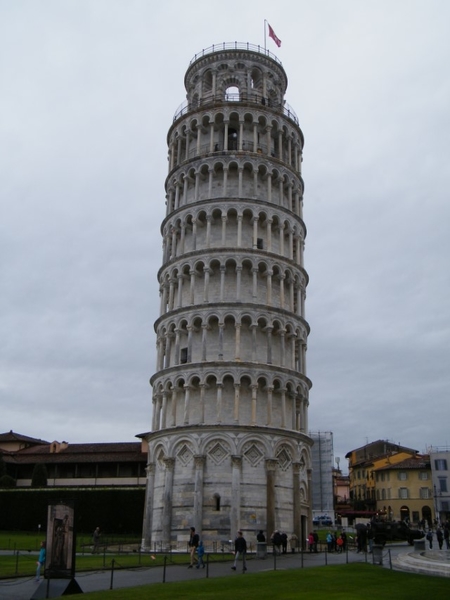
(364, 462)
(403, 490)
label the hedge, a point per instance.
(114, 510)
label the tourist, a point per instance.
(240, 549)
(41, 560)
(193, 545)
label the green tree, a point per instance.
(39, 476)
(2, 466)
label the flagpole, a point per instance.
(265, 46)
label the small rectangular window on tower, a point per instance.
(183, 356)
(259, 243)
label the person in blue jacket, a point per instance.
(200, 553)
(41, 560)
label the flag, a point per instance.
(273, 35)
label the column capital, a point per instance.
(150, 469)
(271, 464)
(199, 461)
(236, 460)
(169, 463)
(296, 466)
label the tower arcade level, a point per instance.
(229, 447)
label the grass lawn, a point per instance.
(346, 582)
(24, 541)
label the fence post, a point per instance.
(164, 569)
(112, 574)
(104, 556)
(17, 562)
(390, 559)
(301, 551)
(207, 566)
(274, 559)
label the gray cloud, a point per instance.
(88, 94)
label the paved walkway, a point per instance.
(27, 588)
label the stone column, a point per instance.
(255, 233)
(224, 229)
(255, 283)
(225, 136)
(180, 290)
(219, 402)
(253, 327)
(269, 405)
(269, 287)
(211, 137)
(282, 334)
(269, 139)
(164, 410)
(197, 183)
(208, 231)
(202, 387)
(206, 271)
(225, 180)
(222, 281)
(269, 234)
(235, 509)
(269, 344)
(167, 500)
(297, 509)
(254, 389)
(148, 508)
(204, 330)
(192, 290)
(198, 493)
(283, 408)
(237, 391)
(189, 343)
(187, 391)
(174, 407)
(221, 328)
(157, 415)
(238, 342)
(182, 238)
(239, 231)
(271, 465)
(194, 234)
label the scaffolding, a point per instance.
(322, 473)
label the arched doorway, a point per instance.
(426, 515)
(404, 514)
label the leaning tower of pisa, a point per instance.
(229, 446)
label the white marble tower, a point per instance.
(229, 446)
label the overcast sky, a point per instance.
(88, 90)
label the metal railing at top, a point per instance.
(235, 46)
(186, 106)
